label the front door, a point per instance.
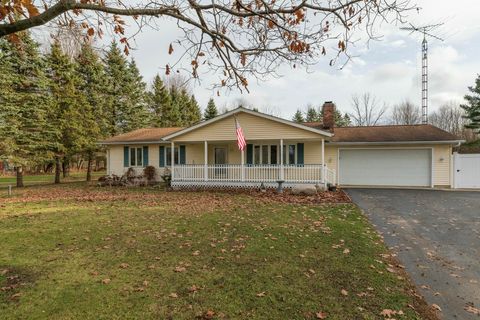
(220, 155)
(220, 162)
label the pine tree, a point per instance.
(311, 115)
(136, 112)
(159, 103)
(93, 86)
(211, 110)
(70, 112)
(472, 109)
(193, 113)
(125, 94)
(173, 112)
(298, 116)
(27, 136)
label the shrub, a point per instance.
(149, 173)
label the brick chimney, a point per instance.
(328, 111)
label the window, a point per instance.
(289, 154)
(256, 155)
(265, 159)
(136, 157)
(265, 154)
(273, 154)
(168, 155)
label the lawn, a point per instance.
(77, 251)
(45, 178)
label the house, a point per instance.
(206, 154)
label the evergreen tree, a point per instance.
(159, 103)
(298, 116)
(70, 111)
(211, 110)
(173, 112)
(27, 136)
(136, 112)
(125, 94)
(93, 85)
(472, 109)
(193, 113)
(311, 115)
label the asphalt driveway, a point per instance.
(436, 235)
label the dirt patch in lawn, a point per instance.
(12, 280)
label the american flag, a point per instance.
(241, 143)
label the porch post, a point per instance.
(243, 164)
(205, 161)
(172, 158)
(282, 173)
(323, 165)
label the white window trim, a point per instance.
(136, 165)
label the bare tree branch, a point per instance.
(367, 110)
(237, 39)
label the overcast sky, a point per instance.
(390, 69)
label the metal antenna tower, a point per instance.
(426, 31)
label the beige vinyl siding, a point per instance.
(331, 157)
(115, 161)
(254, 128)
(441, 168)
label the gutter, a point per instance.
(103, 143)
(453, 142)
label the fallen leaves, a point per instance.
(344, 292)
(436, 307)
(389, 313)
(106, 281)
(173, 295)
(471, 309)
(321, 315)
(261, 294)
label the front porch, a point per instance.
(263, 162)
(251, 175)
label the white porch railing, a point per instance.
(308, 173)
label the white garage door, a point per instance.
(385, 167)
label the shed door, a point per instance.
(385, 167)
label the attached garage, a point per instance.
(385, 167)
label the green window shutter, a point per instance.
(145, 156)
(300, 156)
(182, 155)
(249, 153)
(162, 156)
(126, 154)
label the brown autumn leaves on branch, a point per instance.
(235, 39)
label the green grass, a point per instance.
(238, 256)
(30, 180)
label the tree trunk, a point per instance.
(89, 167)
(65, 168)
(20, 177)
(57, 169)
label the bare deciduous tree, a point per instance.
(237, 39)
(367, 110)
(406, 113)
(450, 117)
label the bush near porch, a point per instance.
(75, 251)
